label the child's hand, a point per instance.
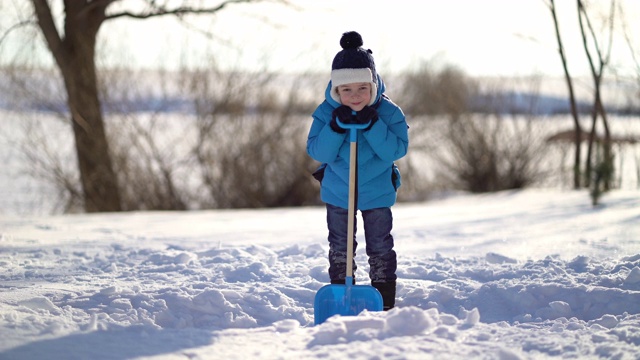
(367, 115)
(344, 113)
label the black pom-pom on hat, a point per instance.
(352, 55)
(351, 40)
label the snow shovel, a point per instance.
(347, 299)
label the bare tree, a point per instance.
(632, 51)
(436, 90)
(604, 171)
(73, 46)
(498, 148)
(635, 96)
(572, 98)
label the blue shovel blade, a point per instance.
(340, 299)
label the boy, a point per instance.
(355, 94)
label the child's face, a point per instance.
(355, 95)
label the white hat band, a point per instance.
(348, 76)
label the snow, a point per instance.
(530, 274)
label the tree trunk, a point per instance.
(598, 107)
(99, 181)
(75, 56)
(572, 101)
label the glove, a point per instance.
(367, 115)
(344, 113)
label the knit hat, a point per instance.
(353, 65)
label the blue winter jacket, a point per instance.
(378, 148)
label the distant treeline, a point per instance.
(41, 90)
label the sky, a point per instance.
(484, 38)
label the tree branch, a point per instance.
(48, 27)
(162, 11)
(627, 38)
(15, 27)
(94, 5)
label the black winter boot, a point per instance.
(388, 292)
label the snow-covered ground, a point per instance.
(516, 275)
(531, 274)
